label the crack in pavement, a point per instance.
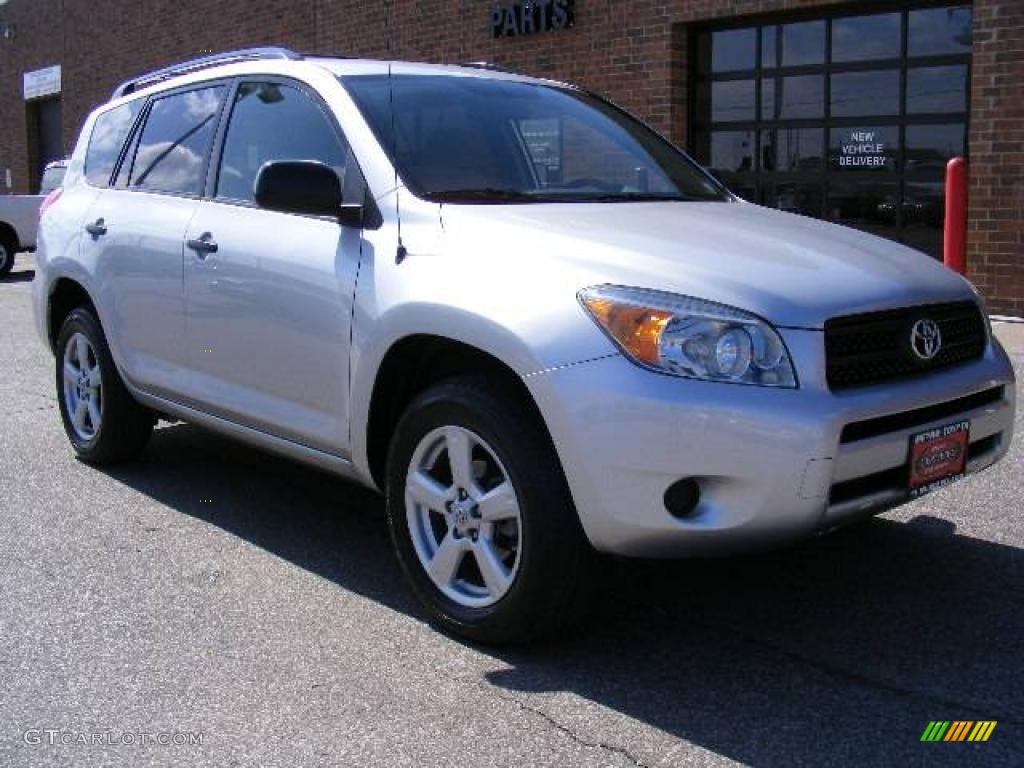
(575, 737)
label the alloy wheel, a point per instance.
(463, 516)
(83, 387)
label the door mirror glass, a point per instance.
(299, 186)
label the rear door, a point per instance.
(134, 234)
(269, 311)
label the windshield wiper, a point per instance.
(478, 195)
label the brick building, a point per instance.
(837, 109)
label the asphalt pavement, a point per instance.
(212, 605)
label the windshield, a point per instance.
(475, 139)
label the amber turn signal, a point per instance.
(637, 329)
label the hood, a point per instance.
(793, 270)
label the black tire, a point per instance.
(558, 573)
(125, 426)
(7, 251)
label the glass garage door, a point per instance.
(847, 117)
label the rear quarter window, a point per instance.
(108, 136)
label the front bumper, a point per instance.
(771, 464)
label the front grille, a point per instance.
(876, 347)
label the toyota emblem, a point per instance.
(926, 339)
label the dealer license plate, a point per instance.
(938, 457)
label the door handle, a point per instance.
(203, 245)
(97, 228)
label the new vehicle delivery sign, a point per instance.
(862, 149)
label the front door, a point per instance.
(268, 312)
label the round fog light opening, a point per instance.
(682, 497)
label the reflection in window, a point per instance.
(768, 98)
(175, 142)
(804, 199)
(937, 89)
(796, 149)
(732, 100)
(732, 151)
(803, 43)
(733, 49)
(274, 122)
(936, 31)
(108, 135)
(769, 55)
(929, 147)
(923, 215)
(876, 92)
(859, 38)
(871, 148)
(870, 206)
(803, 96)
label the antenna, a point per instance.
(401, 252)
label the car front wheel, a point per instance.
(481, 517)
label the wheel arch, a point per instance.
(416, 362)
(66, 295)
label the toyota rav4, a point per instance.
(543, 332)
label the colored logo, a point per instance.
(926, 339)
(958, 730)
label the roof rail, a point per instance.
(203, 62)
(489, 65)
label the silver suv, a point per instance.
(542, 331)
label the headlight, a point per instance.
(690, 337)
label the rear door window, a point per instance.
(108, 135)
(175, 142)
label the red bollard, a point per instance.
(954, 252)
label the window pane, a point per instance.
(867, 205)
(768, 98)
(733, 49)
(769, 55)
(732, 151)
(923, 214)
(805, 199)
(274, 122)
(875, 92)
(858, 38)
(929, 147)
(940, 30)
(798, 149)
(864, 149)
(732, 100)
(803, 96)
(176, 141)
(108, 135)
(803, 43)
(937, 89)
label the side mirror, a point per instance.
(300, 186)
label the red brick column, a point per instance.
(995, 219)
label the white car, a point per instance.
(19, 216)
(542, 331)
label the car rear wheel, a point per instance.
(482, 520)
(101, 419)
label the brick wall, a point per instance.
(634, 51)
